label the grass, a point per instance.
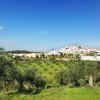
(46, 69)
(62, 93)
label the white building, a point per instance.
(27, 55)
(71, 49)
(90, 58)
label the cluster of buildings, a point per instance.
(82, 51)
(30, 55)
(73, 49)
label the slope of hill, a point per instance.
(73, 49)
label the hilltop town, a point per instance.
(85, 53)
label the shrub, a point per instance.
(82, 82)
(70, 85)
(39, 83)
(98, 84)
(48, 86)
(55, 84)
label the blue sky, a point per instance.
(45, 24)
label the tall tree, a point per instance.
(91, 70)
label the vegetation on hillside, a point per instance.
(34, 75)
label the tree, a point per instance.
(91, 70)
(37, 57)
(77, 57)
(76, 72)
(36, 81)
(70, 55)
(42, 56)
(30, 75)
(7, 71)
(20, 78)
(61, 54)
(39, 82)
(72, 75)
(61, 77)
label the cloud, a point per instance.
(8, 42)
(1, 28)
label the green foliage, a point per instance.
(78, 72)
(36, 74)
(62, 93)
(82, 82)
(30, 75)
(91, 68)
(39, 82)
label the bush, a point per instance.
(48, 86)
(98, 84)
(39, 83)
(55, 84)
(70, 85)
(82, 82)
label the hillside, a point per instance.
(28, 78)
(73, 49)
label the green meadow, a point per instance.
(62, 93)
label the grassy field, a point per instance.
(62, 93)
(48, 69)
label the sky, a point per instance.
(41, 25)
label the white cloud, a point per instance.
(1, 28)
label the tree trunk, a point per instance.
(91, 81)
(21, 87)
